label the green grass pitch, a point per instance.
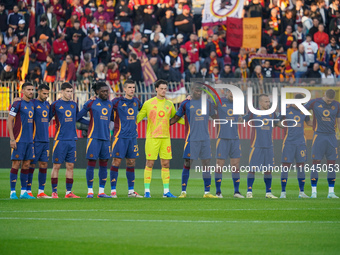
(169, 226)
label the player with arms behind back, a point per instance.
(294, 147)
(98, 139)
(21, 139)
(326, 116)
(158, 110)
(125, 137)
(197, 143)
(64, 147)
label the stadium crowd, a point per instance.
(103, 41)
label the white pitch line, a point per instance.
(168, 210)
(177, 221)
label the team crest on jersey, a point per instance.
(32, 108)
(109, 106)
(72, 106)
(124, 104)
(38, 107)
(333, 107)
(167, 107)
(134, 104)
(47, 107)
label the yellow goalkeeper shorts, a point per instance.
(155, 146)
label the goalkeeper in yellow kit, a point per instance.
(158, 111)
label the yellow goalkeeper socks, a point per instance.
(147, 178)
(166, 179)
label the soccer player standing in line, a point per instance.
(21, 139)
(158, 110)
(125, 137)
(197, 143)
(326, 115)
(41, 140)
(294, 147)
(261, 150)
(228, 144)
(64, 148)
(98, 139)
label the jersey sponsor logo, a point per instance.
(198, 112)
(72, 106)
(68, 113)
(326, 113)
(130, 111)
(297, 118)
(265, 121)
(230, 112)
(30, 114)
(124, 104)
(161, 114)
(60, 108)
(38, 107)
(104, 111)
(44, 113)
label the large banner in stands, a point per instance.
(217, 11)
(150, 2)
(245, 33)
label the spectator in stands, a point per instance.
(14, 17)
(310, 48)
(70, 70)
(314, 74)
(227, 72)
(158, 29)
(9, 36)
(60, 48)
(51, 70)
(267, 70)
(104, 47)
(36, 76)
(293, 48)
(242, 72)
(300, 63)
(315, 27)
(39, 10)
(288, 20)
(274, 22)
(332, 49)
(254, 9)
(149, 19)
(3, 59)
(90, 46)
(173, 56)
(75, 30)
(52, 21)
(212, 61)
(113, 76)
(42, 48)
(75, 47)
(61, 29)
(287, 38)
(44, 29)
(100, 72)
(7, 74)
(299, 36)
(21, 30)
(184, 23)
(167, 23)
(58, 10)
(101, 12)
(322, 58)
(112, 34)
(110, 10)
(3, 19)
(134, 68)
(333, 8)
(32, 64)
(164, 72)
(321, 36)
(124, 14)
(327, 78)
(12, 58)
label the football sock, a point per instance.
(301, 175)
(147, 178)
(207, 181)
(23, 179)
(331, 175)
(69, 184)
(102, 174)
(185, 177)
(314, 175)
(130, 176)
(218, 181)
(113, 178)
(236, 180)
(284, 176)
(13, 176)
(42, 179)
(90, 173)
(166, 179)
(250, 181)
(268, 182)
(54, 183)
(30, 178)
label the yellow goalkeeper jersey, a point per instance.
(158, 113)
